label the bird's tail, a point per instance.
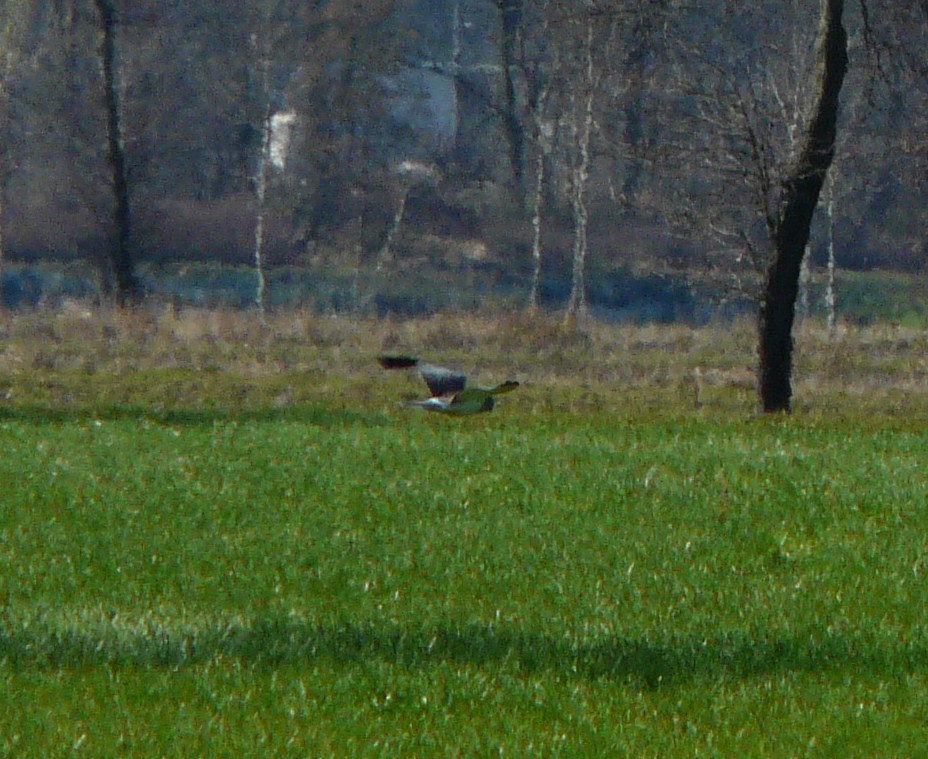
(504, 387)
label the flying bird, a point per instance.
(450, 394)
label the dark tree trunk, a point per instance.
(120, 253)
(790, 227)
(511, 20)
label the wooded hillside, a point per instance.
(510, 133)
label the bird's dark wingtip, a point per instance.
(397, 362)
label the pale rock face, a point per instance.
(282, 124)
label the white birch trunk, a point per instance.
(830, 301)
(455, 63)
(7, 57)
(543, 139)
(537, 202)
(4, 115)
(358, 256)
(261, 181)
(386, 251)
(1, 231)
(805, 282)
(576, 305)
(543, 147)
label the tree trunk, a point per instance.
(386, 250)
(537, 201)
(4, 136)
(2, 193)
(580, 174)
(831, 319)
(790, 228)
(538, 84)
(261, 199)
(539, 102)
(261, 178)
(120, 253)
(511, 21)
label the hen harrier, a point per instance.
(448, 388)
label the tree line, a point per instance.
(698, 136)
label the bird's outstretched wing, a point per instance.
(397, 362)
(440, 381)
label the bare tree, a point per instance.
(7, 58)
(539, 63)
(757, 140)
(278, 43)
(406, 177)
(126, 286)
(17, 30)
(581, 130)
(542, 139)
(262, 41)
(830, 297)
(792, 218)
(511, 14)
(581, 39)
(579, 72)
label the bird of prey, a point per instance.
(449, 390)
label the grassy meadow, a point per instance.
(222, 537)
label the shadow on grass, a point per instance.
(319, 416)
(281, 641)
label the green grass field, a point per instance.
(222, 539)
